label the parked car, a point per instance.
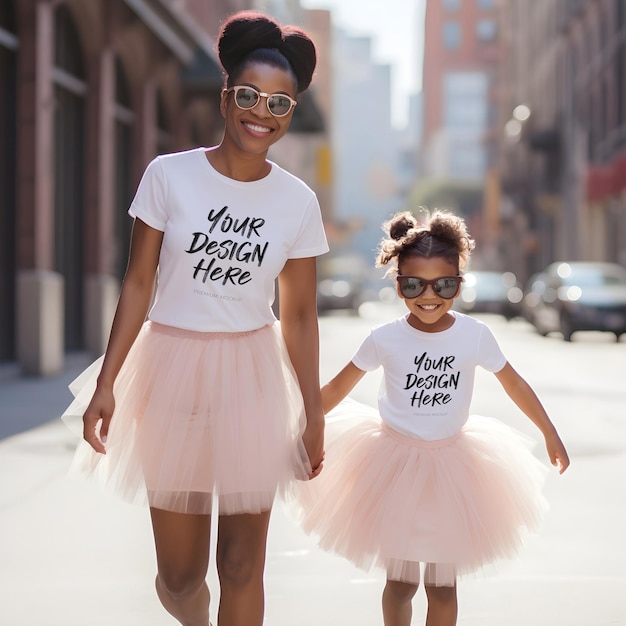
(490, 292)
(341, 278)
(535, 287)
(346, 293)
(338, 292)
(378, 288)
(579, 296)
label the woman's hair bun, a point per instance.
(300, 51)
(247, 31)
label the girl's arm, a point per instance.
(132, 307)
(525, 398)
(334, 391)
(297, 285)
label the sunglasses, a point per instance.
(247, 98)
(446, 287)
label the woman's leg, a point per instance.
(241, 544)
(182, 548)
(442, 605)
(397, 603)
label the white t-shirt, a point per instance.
(224, 241)
(428, 377)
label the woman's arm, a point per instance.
(132, 307)
(297, 284)
(525, 398)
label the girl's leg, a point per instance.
(442, 605)
(241, 544)
(397, 603)
(182, 548)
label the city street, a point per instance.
(73, 556)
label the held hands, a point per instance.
(99, 411)
(557, 452)
(316, 471)
(313, 439)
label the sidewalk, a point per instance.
(27, 402)
(71, 555)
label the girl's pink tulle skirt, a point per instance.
(198, 415)
(392, 501)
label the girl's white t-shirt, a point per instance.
(428, 378)
(224, 241)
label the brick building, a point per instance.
(460, 52)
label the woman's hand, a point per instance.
(298, 322)
(132, 306)
(99, 411)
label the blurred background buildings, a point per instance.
(561, 158)
(520, 125)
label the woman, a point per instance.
(212, 396)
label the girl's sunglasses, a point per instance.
(446, 287)
(279, 104)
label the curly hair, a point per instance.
(248, 37)
(438, 234)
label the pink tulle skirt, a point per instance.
(198, 415)
(392, 501)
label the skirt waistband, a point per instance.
(416, 442)
(174, 331)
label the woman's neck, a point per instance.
(240, 166)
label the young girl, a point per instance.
(427, 484)
(211, 397)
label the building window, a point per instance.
(70, 91)
(163, 134)
(7, 15)
(466, 113)
(124, 118)
(451, 35)
(451, 5)
(486, 30)
(620, 86)
(465, 101)
(9, 46)
(486, 5)
(620, 14)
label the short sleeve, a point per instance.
(150, 201)
(490, 354)
(311, 238)
(366, 358)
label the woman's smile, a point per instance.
(256, 128)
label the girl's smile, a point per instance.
(428, 312)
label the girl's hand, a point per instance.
(100, 410)
(316, 471)
(313, 439)
(557, 452)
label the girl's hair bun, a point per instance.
(436, 234)
(400, 225)
(247, 31)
